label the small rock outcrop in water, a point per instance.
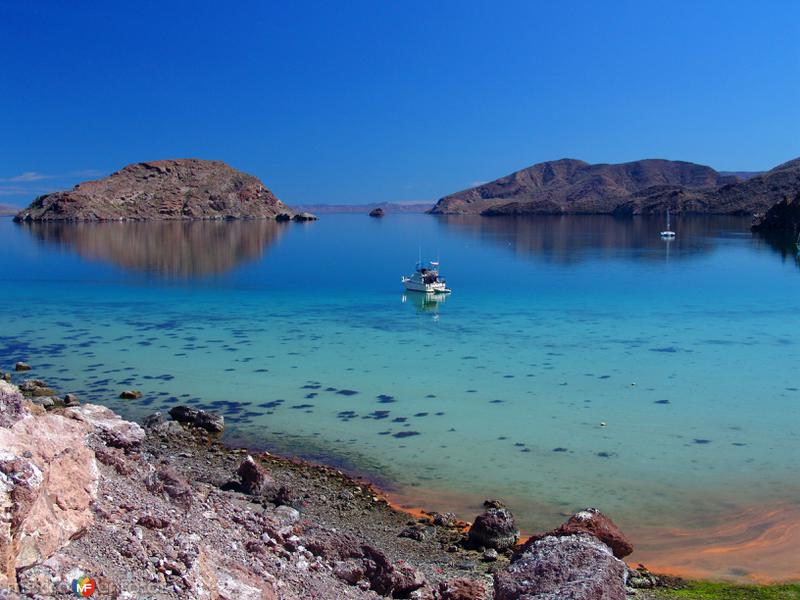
(376, 212)
(573, 567)
(186, 188)
(494, 529)
(305, 216)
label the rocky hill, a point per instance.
(650, 186)
(164, 189)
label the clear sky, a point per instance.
(391, 100)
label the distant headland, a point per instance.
(651, 186)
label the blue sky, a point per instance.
(391, 100)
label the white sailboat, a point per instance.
(668, 234)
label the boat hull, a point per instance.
(425, 288)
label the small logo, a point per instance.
(84, 586)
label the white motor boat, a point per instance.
(668, 234)
(426, 279)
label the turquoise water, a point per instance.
(302, 336)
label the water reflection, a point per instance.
(574, 238)
(169, 248)
(424, 303)
(783, 242)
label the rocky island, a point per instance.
(186, 188)
(650, 186)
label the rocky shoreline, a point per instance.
(165, 510)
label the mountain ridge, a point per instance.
(648, 186)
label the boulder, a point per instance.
(71, 400)
(282, 217)
(11, 402)
(254, 477)
(592, 522)
(447, 519)
(168, 481)
(48, 482)
(209, 421)
(570, 567)
(131, 395)
(305, 216)
(21, 366)
(376, 212)
(110, 427)
(494, 529)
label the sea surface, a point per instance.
(579, 361)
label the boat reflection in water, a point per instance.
(425, 303)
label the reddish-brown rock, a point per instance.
(460, 589)
(254, 477)
(595, 523)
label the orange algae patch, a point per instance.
(757, 544)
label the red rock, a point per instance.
(152, 522)
(595, 523)
(460, 589)
(253, 475)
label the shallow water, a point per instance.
(300, 334)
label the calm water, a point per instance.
(301, 335)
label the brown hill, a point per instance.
(641, 187)
(163, 189)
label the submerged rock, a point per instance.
(131, 395)
(494, 529)
(35, 388)
(572, 567)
